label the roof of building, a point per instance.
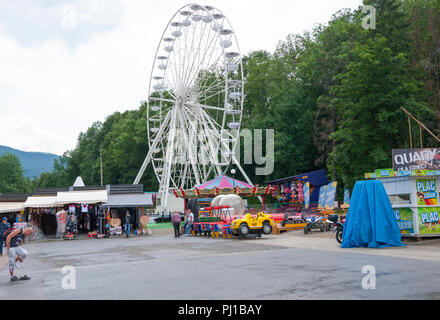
(129, 201)
(14, 197)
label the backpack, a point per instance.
(7, 232)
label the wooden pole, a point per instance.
(421, 124)
(410, 135)
(421, 138)
(100, 153)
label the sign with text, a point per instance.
(429, 220)
(416, 159)
(404, 217)
(330, 194)
(426, 192)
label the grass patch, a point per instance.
(167, 225)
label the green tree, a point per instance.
(12, 178)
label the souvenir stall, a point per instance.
(41, 213)
(117, 206)
(290, 191)
(414, 197)
(84, 206)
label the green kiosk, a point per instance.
(414, 196)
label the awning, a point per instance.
(79, 197)
(6, 207)
(129, 201)
(40, 202)
(222, 182)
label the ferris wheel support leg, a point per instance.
(151, 151)
(192, 159)
(235, 161)
(165, 183)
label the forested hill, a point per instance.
(34, 163)
(333, 95)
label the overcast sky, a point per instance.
(65, 64)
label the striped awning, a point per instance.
(6, 207)
(223, 182)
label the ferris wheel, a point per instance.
(195, 103)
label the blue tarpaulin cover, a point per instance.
(370, 220)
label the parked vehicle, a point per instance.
(257, 225)
(314, 222)
(292, 218)
(338, 226)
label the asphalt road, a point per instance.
(274, 267)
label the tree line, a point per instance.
(332, 94)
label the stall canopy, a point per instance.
(79, 197)
(370, 220)
(40, 202)
(6, 207)
(129, 201)
(222, 182)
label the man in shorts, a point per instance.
(16, 252)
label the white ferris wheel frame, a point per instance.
(178, 115)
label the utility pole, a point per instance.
(100, 153)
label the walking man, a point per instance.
(3, 227)
(127, 223)
(176, 219)
(16, 252)
(190, 221)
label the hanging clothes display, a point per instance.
(300, 192)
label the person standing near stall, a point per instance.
(190, 221)
(176, 219)
(3, 227)
(127, 223)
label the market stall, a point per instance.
(13, 211)
(414, 197)
(41, 212)
(288, 190)
(135, 204)
(85, 205)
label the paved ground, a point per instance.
(288, 266)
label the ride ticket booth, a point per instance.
(414, 197)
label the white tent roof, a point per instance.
(79, 197)
(40, 202)
(6, 207)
